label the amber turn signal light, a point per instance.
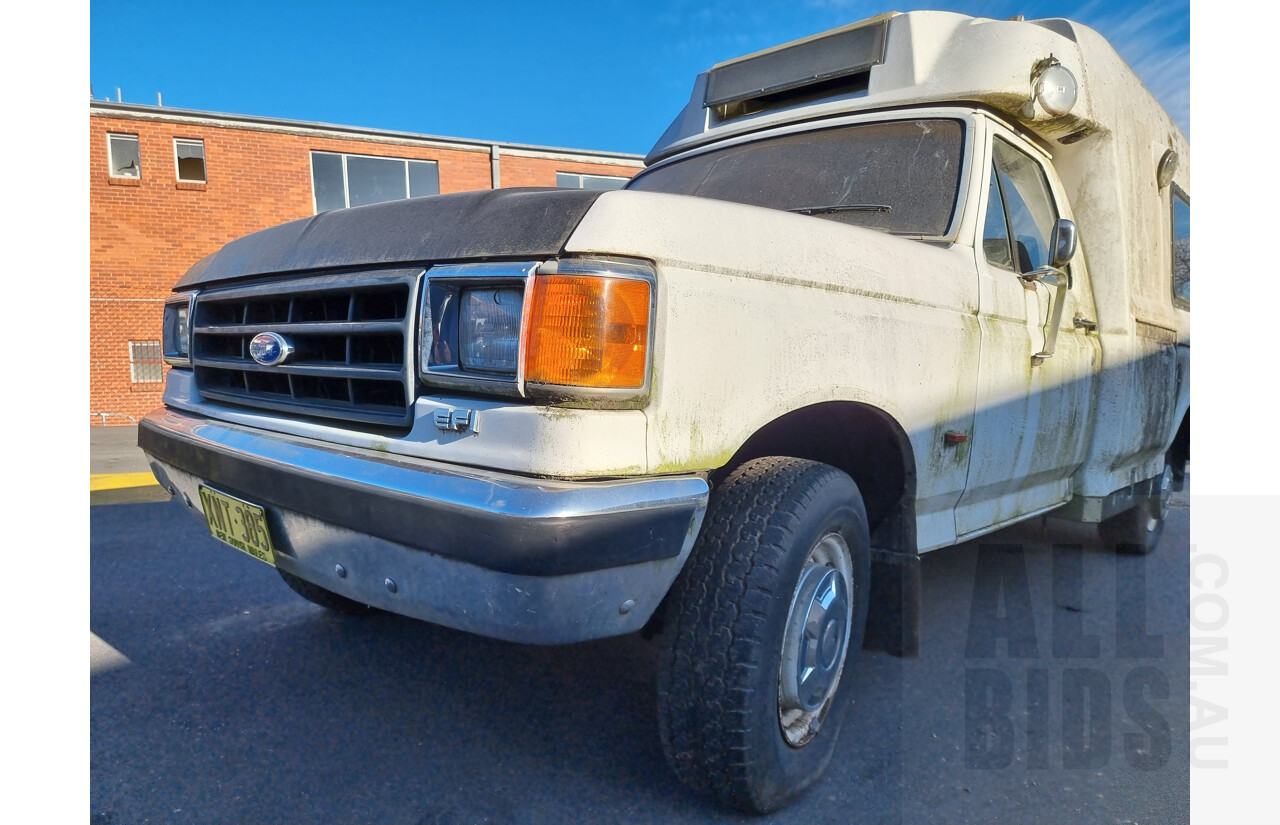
(587, 331)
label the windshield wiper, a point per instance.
(844, 207)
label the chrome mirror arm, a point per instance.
(1043, 273)
(1052, 276)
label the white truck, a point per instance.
(878, 291)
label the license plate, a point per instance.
(238, 523)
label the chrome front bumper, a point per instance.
(523, 559)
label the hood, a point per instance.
(465, 226)
(755, 245)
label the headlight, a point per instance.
(176, 330)
(489, 329)
(561, 329)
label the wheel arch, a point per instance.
(862, 440)
(870, 446)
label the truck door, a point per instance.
(1032, 421)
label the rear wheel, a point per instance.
(764, 627)
(1137, 531)
(325, 598)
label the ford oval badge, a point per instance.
(269, 349)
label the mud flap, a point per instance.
(893, 620)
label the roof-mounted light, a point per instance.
(1053, 86)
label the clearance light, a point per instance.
(588, 330)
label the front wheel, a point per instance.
(765, 625)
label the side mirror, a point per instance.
(1063, 242)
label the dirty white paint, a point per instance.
(1031, 419)
(535, 440)
(1125, 228)
(103, 658)
(761, 312)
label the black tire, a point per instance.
(720, 698)
(1137, 530)
(325, 598)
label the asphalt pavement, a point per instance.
(118, 471)
(1052, 688)
(114, 450)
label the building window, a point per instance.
(189, 157)
(340, 180)
(1181, 248)
(146, 362)
(124, 156)
(570, 180)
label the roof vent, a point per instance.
(824, 89)
(833, 63)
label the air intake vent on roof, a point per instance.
(819, 60)
(821, 90)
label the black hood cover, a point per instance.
(469, 225)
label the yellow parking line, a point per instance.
(117, 481)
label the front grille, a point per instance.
(352, 341)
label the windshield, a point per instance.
(900, 176)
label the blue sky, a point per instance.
(602, 75)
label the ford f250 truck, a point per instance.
(877, 292)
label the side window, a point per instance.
(1181, 248)
(995, 233)
(1028, 205)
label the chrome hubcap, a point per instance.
(816, 639)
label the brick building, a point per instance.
(169, 186)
